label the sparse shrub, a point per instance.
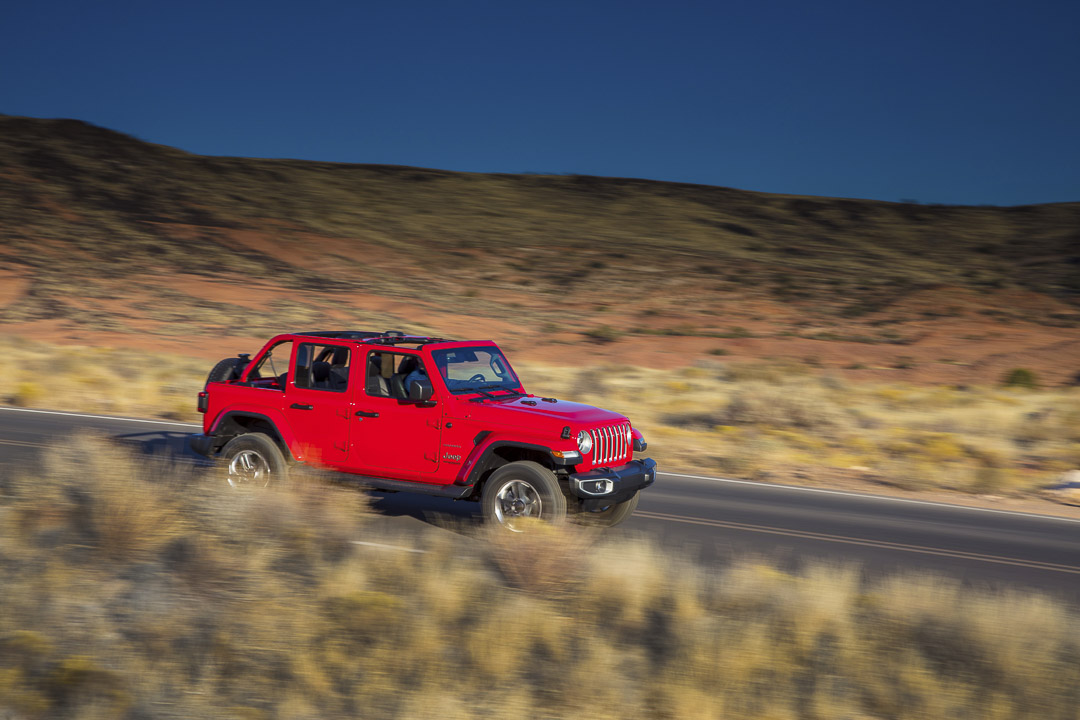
(681, 330)
(1021, 378)
(860, 308)
(543, 560)
(591, 382)
(1048, 425)
(942, 447)
(904, 362)
(774, 373)
(781, 407)
(110, 501)
(735, 332)
(603, 334)
(910, 473)
(27, 394)
(719, 351)
(988, 480)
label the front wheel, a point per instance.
(520, 491)
(254, 460)
(609, 516)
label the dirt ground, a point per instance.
(945, 335)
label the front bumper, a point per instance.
(608, 486)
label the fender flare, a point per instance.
(483, 458)
(224, 422)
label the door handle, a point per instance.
(298, 406)
(364, 413)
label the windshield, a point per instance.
(475, 369)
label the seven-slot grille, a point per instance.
(610, 444)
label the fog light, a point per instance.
(600, 487)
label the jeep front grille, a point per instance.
(609, 444)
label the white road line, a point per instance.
(99, 417)
(383, 546)
(869, 496)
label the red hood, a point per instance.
(561, 413)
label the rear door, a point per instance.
(392, 436)
(318, 401)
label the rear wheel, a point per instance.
(254, 460)
(224, 370)
(610, 516)
(522, 491)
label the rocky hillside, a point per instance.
(104, 233)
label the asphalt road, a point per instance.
(715, 519)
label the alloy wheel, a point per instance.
(248, 469)
(515, 500)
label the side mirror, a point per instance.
(420, 390)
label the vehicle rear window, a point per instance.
(322, 367)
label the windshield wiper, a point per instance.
(513, 392)
(483, 390)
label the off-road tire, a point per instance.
(609, 517)
(530, 486)
(254, 460)
(224, 370)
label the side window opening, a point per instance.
(273, 368)
(322, 367)
(388, 373)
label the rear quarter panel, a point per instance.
(226, 398)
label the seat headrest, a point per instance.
(320, 371)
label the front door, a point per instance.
(393, 437)
(318, 402)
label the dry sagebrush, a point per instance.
(134, 590)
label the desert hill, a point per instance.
(108, 239)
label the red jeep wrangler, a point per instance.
(420, 414)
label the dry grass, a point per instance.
(99, 379)
(217, 604)
(779, 420)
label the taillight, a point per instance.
(204, 401)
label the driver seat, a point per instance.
(397, 380)
(375, 384)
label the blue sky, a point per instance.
(950, 101)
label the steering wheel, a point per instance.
(477, 376)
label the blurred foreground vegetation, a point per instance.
(763, 420)
(134, 590)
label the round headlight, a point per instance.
(629, 435)
(584, 442)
